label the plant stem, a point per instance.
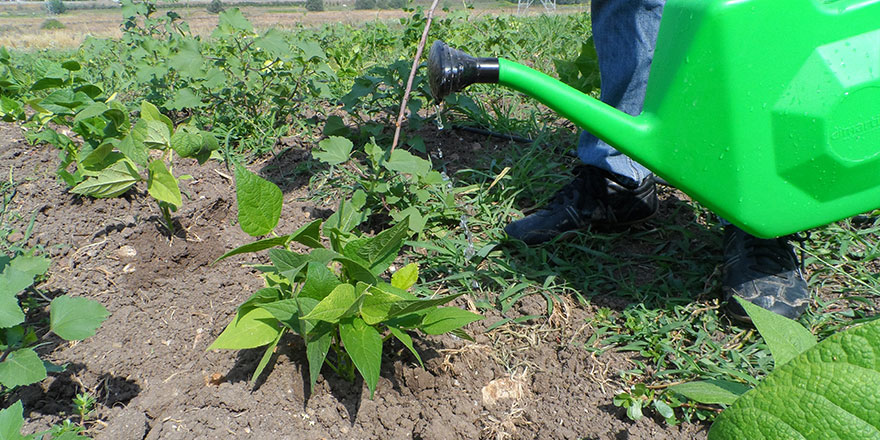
(412, 73)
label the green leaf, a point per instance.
(19, 274)
(11, 421)
(381, 250)
(22, 367)
(712, 392)
(311, 50)
(47, 83)
(335, 305)
(186, 141)
(363, 343)
(445, 319)
(407, 341)
(334, 150)
(406, 276)
(403, 161)
(273, 43)
(262, 296)
(664, 410)
(162, 185)
(75, 319)
(232, 19)
(10, 312)
(785, 338)
(132, 145)
(267, 356)
(418, 305)
(149, 112)
(250, 328)
(349, 214)
(259, 245)
(320, 281)
(318, 343)
(259, 202)
(112, 181)
(377, 305)
(90, 111)
(71, 65)
(184, 98)
(309, 235)
(288, 263)
(335, 127)
(832, 390)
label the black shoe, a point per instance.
(594, 198)
(763, 272)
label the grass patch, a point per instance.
(52, 24)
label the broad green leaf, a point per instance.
(132, 145)
(286, 311)
(259, 245)
(184, 98)
(162, 185)
(418, 305)
(406, 339)
(153, 134)
(75, 319)
(112, 181)
(334, 150)
(90, 111)
(335, 127)
(381, 250)
(406, 276)
(355, 270)
(318, 343)
(267, 355)
(186, 141)
(259, 202)
(377, 305)
(335, 305)
(403, 161)
(309, 235)
(288, 263)
(10, 312)
(785, 338)
(363, 343)
(101, 157)
(232, 19)
(320, 281)
(830, 391)
(262, 296)
(149, 112)
(251, 328)
(273, 43)
(11, 421)
(311, 50)
(713, 392)
(71, 65)
(22, 367)
(445, 319)
(47, 83)
(349, 214)
(19, 273)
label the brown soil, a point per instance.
(148, 367)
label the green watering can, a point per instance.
(765, 111)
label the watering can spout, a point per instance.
(451, 70)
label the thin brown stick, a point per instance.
(412, 74)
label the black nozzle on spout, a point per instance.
(450, 70)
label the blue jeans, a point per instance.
(625, 32)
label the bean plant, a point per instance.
(334, 297)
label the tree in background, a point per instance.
(314, 5)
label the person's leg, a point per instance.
(610, 189)
(625, 33)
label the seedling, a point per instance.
(334, 298)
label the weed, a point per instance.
(52, 24)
